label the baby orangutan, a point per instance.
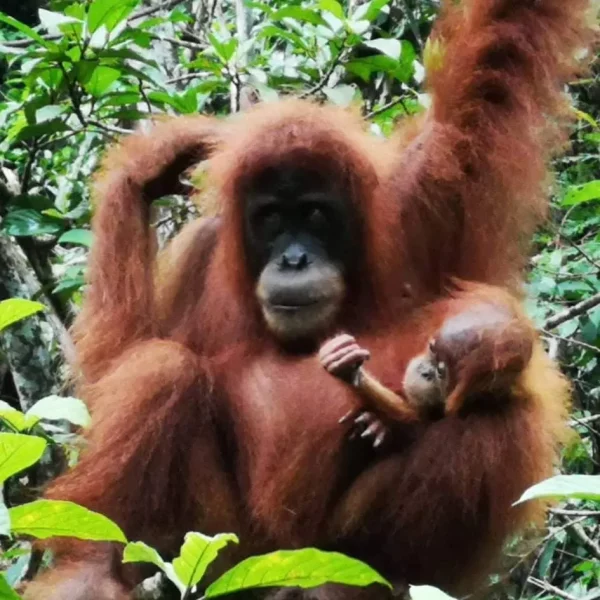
(424, 386)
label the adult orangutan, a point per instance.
(211, 411)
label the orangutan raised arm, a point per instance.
(119, 307)
(472, 183)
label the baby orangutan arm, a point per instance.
(424, 386)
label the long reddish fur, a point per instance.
(201, 422)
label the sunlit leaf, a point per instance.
(306, 568)
(136, 552)
(427, 592)
(43, 519)
(584, 487)
(28, 31)
(17, 452)
(61, 407)
(28, 222)
(49, 112)
(109, 13)
(101, 79)
(16, 309)
(298, 13)
(52, 21)
(578, 194)
(332, 6)
(389, 47)
(197, 553)
(79, 237)
(342, 95)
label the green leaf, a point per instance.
(79, 237)
(578, 194)
(584, 487)
(61, 407)
(306, 568)
(197, 553)
(427, 592)
(43, 519)
(17, 452)
(53, 22)
(15, 418)
(298, 13)
(389, 47)
(109, 13)
(273, 31)
(341, 95)
(374, 8)
(332, 6)
(6, 592)
(28, 222)
(16, 309)
(49, 112)
(136, 552)
(140, 552)
(100, 80)
(224, 50)
(30, 33)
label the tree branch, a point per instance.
(574, 311)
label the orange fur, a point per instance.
(246, 437)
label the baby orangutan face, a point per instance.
(426, 382)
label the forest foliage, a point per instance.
(74, 76)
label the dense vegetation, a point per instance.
(76, 75)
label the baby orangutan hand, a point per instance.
(343, 357)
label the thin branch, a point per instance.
(576, 247)
(385, 107)
(154, 9)
(567, 512)
(178, 42)
(572, 341)
(548, 587)
(325, 78)
(110, 128)
(588, 542)
(574, 311)
(186, 77)
(585, 421)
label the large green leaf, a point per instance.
(27, 222)
(6, 592)
(109, 13)
(584, 487)
(295, 568)
(136, 552)
(79, 237)
(15, 418)
(298, 13)
(17, 309)
(197, 553)
(578, 194)
(61, 407)
(101, 79)
(30, 33)
(389, 47)
(57, 518)
(17, 452)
